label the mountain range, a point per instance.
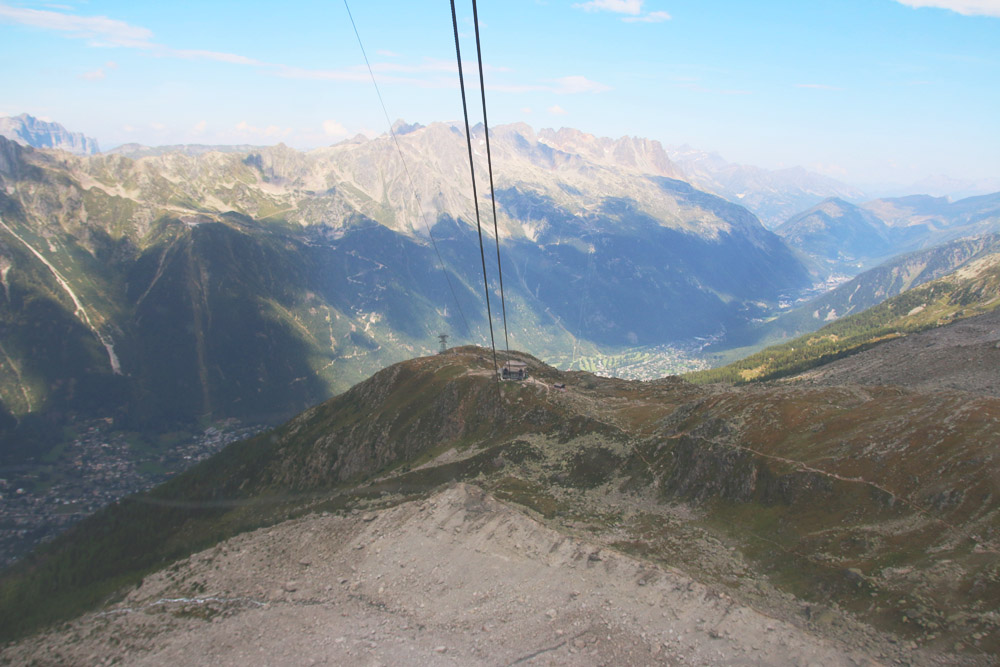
(876, 285)
(903, 297)
(191, 285)
(773, 195)
(30, 131)
(841, 237)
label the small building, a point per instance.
(514, 370)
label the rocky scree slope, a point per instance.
(457, 578)
(963, 355)
(865, 515)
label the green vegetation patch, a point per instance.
(530, 495)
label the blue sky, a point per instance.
(866, 91)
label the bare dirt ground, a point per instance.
(458, 579)
(964, 355)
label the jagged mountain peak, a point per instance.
(332, 246)
(401, 127)
(31, 131)
(641, 154)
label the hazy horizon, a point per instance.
(875, 94)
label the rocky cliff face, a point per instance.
(31, 131)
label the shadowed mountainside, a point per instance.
(181, 287)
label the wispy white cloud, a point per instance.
(817, 86)
(159, 127)
(525, 110)
(198, 54)
(652, 17)
(633, 7)
(200, 126)
(578, 84)
(99, 28)
(557, 110)
(387, 54)
(101, 31)
(964, 7)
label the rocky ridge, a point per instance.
(842, 237)
(773, 195)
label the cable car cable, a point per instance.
(406, 170)
(475, 196)
(489, 164)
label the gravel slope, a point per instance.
(964, 355)
(458, 579)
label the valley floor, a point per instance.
(41, 499)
